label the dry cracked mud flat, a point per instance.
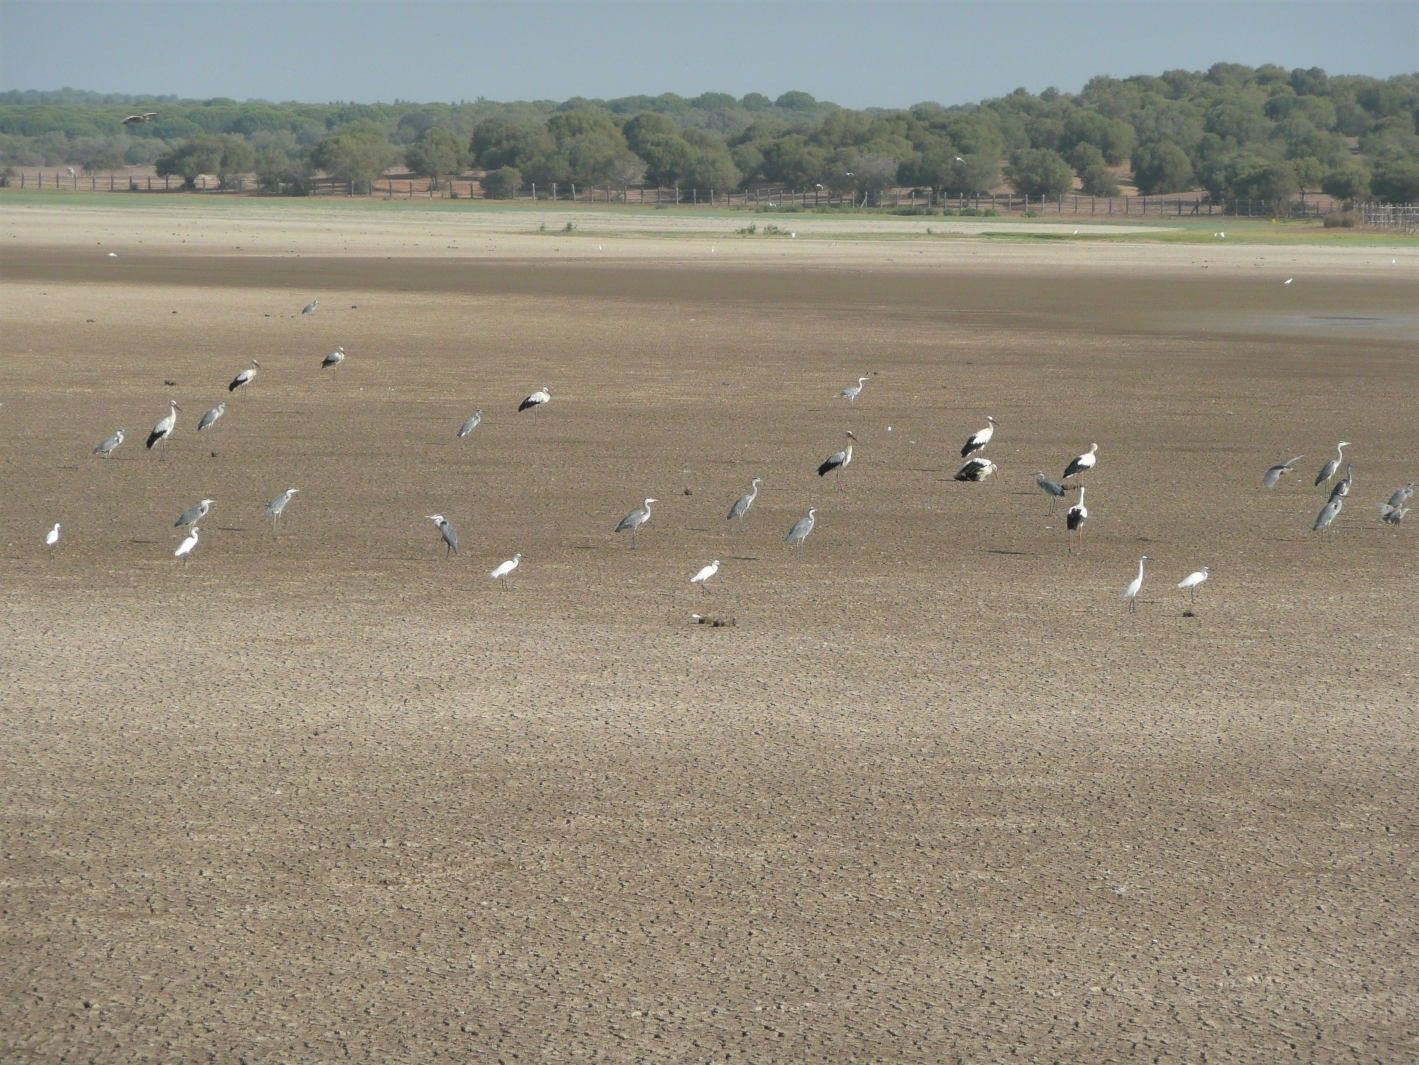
(935, 796)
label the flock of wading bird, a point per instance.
(976, 467)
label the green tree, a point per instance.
(1098, 180)
(438, 153)
(1161, 167)
(1349, 182)
(358, 156)
(1039, 172)
(503, 183)
(191, 159)
(237, 158)
(1396, 180)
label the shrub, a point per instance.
(1341, 220)
(503, 183)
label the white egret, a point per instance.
(1131, 592)
(706, 572)
(52, 537)
(504, 568)
(186, 547)
(1192, 580)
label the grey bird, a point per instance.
(446, 530)
(633, 521)
(1275, 473)
(1050, 488)
(1327, 514)
(851, 392)
(838, 460)
(1328, 470)
(276, 507)
(1392, 515)
(1400, 497)
(107, 447)
(743, 503)
(193, 514)
(801, 528)
(1342, 486)
(471, 424)
(310, 307)
(211, 416)
(335, 358)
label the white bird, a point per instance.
(743, 503)
(71, 171)
(702, 577)
(1131, 592)
(851, 392)
(134, 120)
(1328, 514)
(837, 461)
(276, 507)
(541, 396)
(1328, 470)
(633, 521)
(801, 528)
(185, 548)
(1275, 473)
(978, 440)
(1082, 463)
(1288, 280)
(107, 447)
(165, 426)
(450, 538)
(504, 568)
(1074, 519)
(244, 378)
(52, 537)
(211, 416)
(335, 358)
(472, 423)
(310, 307)
(1192, 580)
(977, 468)
(193, 514)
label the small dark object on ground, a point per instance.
(715, 621)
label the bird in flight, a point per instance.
(139, 119)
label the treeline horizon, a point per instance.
(1231, 131)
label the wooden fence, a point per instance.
(1403, 217)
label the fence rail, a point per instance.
(1404, 217)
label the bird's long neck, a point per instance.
(1140, 568)
(1339, 452)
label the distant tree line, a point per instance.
(1234, 131)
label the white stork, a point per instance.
(541, 396)
(837, 461)
(244, 378)
(1081, 463)
(979, 439)
(1074, 519)
(165, 425)
(976, 469)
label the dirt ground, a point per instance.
(935, 796)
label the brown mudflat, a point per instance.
(933, 796)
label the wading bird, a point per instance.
(310, 307)
(1392, 515)
(702, 577)
(211, 416)
(851, 392)
(52, 537)
(1328, 514)
(541, 396)
(1054, 491)
(244, 378)
(1275, 473)
(1328, 470)
(1074, 519)
(450, 538)
(1401, 495)
(978, 440)
(1342, 486)
(165, 425)
(801, 528)
(471, 424)
(633, 521)
(743, 503)
(504, 568)
(1081, 463)
(276, 507)
(976, 469)
(837, 461)
(193, 514)
(335, 358)
(1192, 580)
(185, 548)
(1131, 592)
(107, 447)
(138, 120)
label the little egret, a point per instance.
(1275, 473)
(801, 528)
(1328, 470)
(504, 568)
(211, 416)
(185, 548)
(541, 396)
(978, 440)
(1081, 463)
(701, 578)
(1131, 592)
(450, 538)
(633, 521)
(52, 537)
(1192, 580)
(244, 378)
(107, 447)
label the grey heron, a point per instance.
(211, 416)
(335, 358)
(1082, 463)
(1328, 514)
(705, 573)
(1328, 470)
(1392, 515)
(450, 538)
(541, 396)
(193, 514)
(801, 528)
(1050, 488)
(1074, 519)
(976, 469)
(1192, 580)
(504, 568)
(1131, 592)
(979, 439)
(310, 307)
(475, 420)
(185, 548)
(244, 378)
(107, 447)
(165, 426)
(1342, 486)
(276, 507)
(837, 461)
(1275, 473)
(633, 521)
(1401, 495)
(52, 537)
(743, 503)
(851, 392)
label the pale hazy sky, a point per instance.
(858, 54)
